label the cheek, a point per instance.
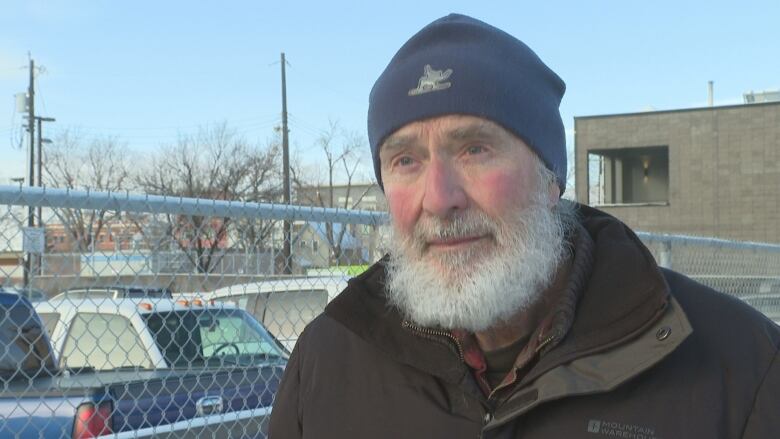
(502, 191)
(403, 208)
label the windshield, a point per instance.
(211, 337)
(143, 293)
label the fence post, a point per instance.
(666, 254)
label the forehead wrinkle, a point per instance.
(476, 128)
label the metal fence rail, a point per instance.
(160, 204)
(743, 269)
(173, 317)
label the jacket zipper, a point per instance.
(435, 333)
(431, 334)
(545, 342)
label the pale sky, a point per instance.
(146, 71)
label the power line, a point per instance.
(312, 80)
(41, 70)
(309, 126)
(303, 129)
(173, 133)
(236, 122)
(150, 132)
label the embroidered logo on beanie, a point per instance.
(431, 80)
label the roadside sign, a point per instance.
(33, 240)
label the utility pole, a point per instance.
(287, 253)
(30, 182)
(31, 130)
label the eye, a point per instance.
(475, 149)
(404, 161)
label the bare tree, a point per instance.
(72, 162)
(342, 151)
(217, 164)
(263, 185)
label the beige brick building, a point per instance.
(712, 171)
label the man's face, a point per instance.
(475, 238)
(440, 168)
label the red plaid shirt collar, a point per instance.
(474, 357)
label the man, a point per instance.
(501, 310)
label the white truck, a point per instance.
(111, 334)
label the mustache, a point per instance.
(463, 225)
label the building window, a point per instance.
(628, 176)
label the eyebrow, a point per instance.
(475, 130)
(396, 142)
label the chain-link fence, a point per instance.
(159, 317)
(742, 269)
(174, 317)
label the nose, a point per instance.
(444, 192)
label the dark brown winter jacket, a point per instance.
(649, 354)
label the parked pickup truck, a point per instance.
(208, 398)
(106, 334)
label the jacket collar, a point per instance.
(363, 309)
(624, 295)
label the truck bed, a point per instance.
(159, 402)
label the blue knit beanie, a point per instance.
(460, 65)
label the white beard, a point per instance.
(486, 283)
